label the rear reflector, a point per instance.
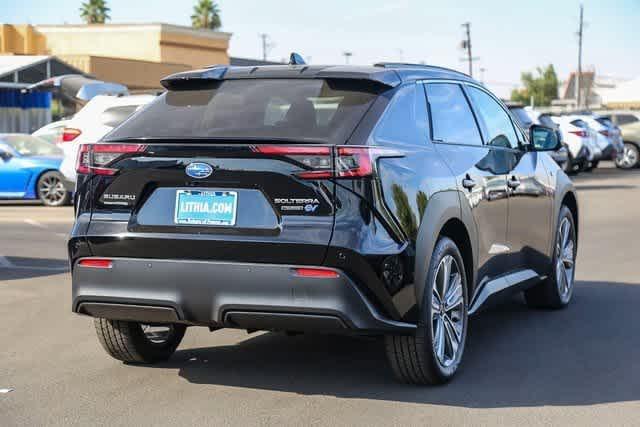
(100, 159)
(316, 272)
(69, 134)
(580, 133)
(96, 263)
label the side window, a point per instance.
(405, 119)
(624, 119)
(451, 116)
(497, 124)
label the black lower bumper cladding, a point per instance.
(225, 294)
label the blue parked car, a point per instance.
(29, 170)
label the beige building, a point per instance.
(137, 55)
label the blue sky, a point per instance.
(508, 36)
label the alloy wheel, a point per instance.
(629, 157)
(565, 262)
(51, 190)
(447, 311)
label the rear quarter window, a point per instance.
(405, 119)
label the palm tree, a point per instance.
(206, 14)
(95, 12)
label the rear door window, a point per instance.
(405, 120)
(302, 110)
(452, 121)
(497, 125)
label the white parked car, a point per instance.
(580, 139)
(607, 138)
(52, 132)
(97, 118)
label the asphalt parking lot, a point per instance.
(579, 366)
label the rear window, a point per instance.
(604, 121)
(29, 146)
(579, 123)
(547, 121)
(303, 110)
(114, 116)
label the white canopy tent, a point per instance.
(624, 95)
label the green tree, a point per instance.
(543, 87)
(206, 14)
(95, 12)
(421, 201)
(404, 212)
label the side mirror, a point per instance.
(543, 138)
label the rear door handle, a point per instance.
(513, 182)
(468, 183)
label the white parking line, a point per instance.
(35, 223)
(40, 225)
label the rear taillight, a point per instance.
(316, 159)
(69, 134)
(604, 132)
(99, 158)
(354, 162)
(580, 133)
(96, 263)
(321, 162)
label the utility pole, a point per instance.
(347, 56)
(466, 44)
(579, 76)
(266, 45)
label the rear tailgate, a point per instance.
(235, 202)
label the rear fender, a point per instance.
(442, 207)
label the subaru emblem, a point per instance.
(198, 170)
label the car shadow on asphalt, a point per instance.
(16, 268)
(586, 354)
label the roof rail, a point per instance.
(410, 65)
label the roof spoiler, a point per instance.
(194, 79)
(206, 77)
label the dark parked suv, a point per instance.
(392, 200)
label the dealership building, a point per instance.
(136, 55)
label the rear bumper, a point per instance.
(225, 294)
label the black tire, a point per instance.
(567, 167)
(548, 294)
(413, 358)
(594, 165)
(626, 160)
(51, 191)
(128, 342)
